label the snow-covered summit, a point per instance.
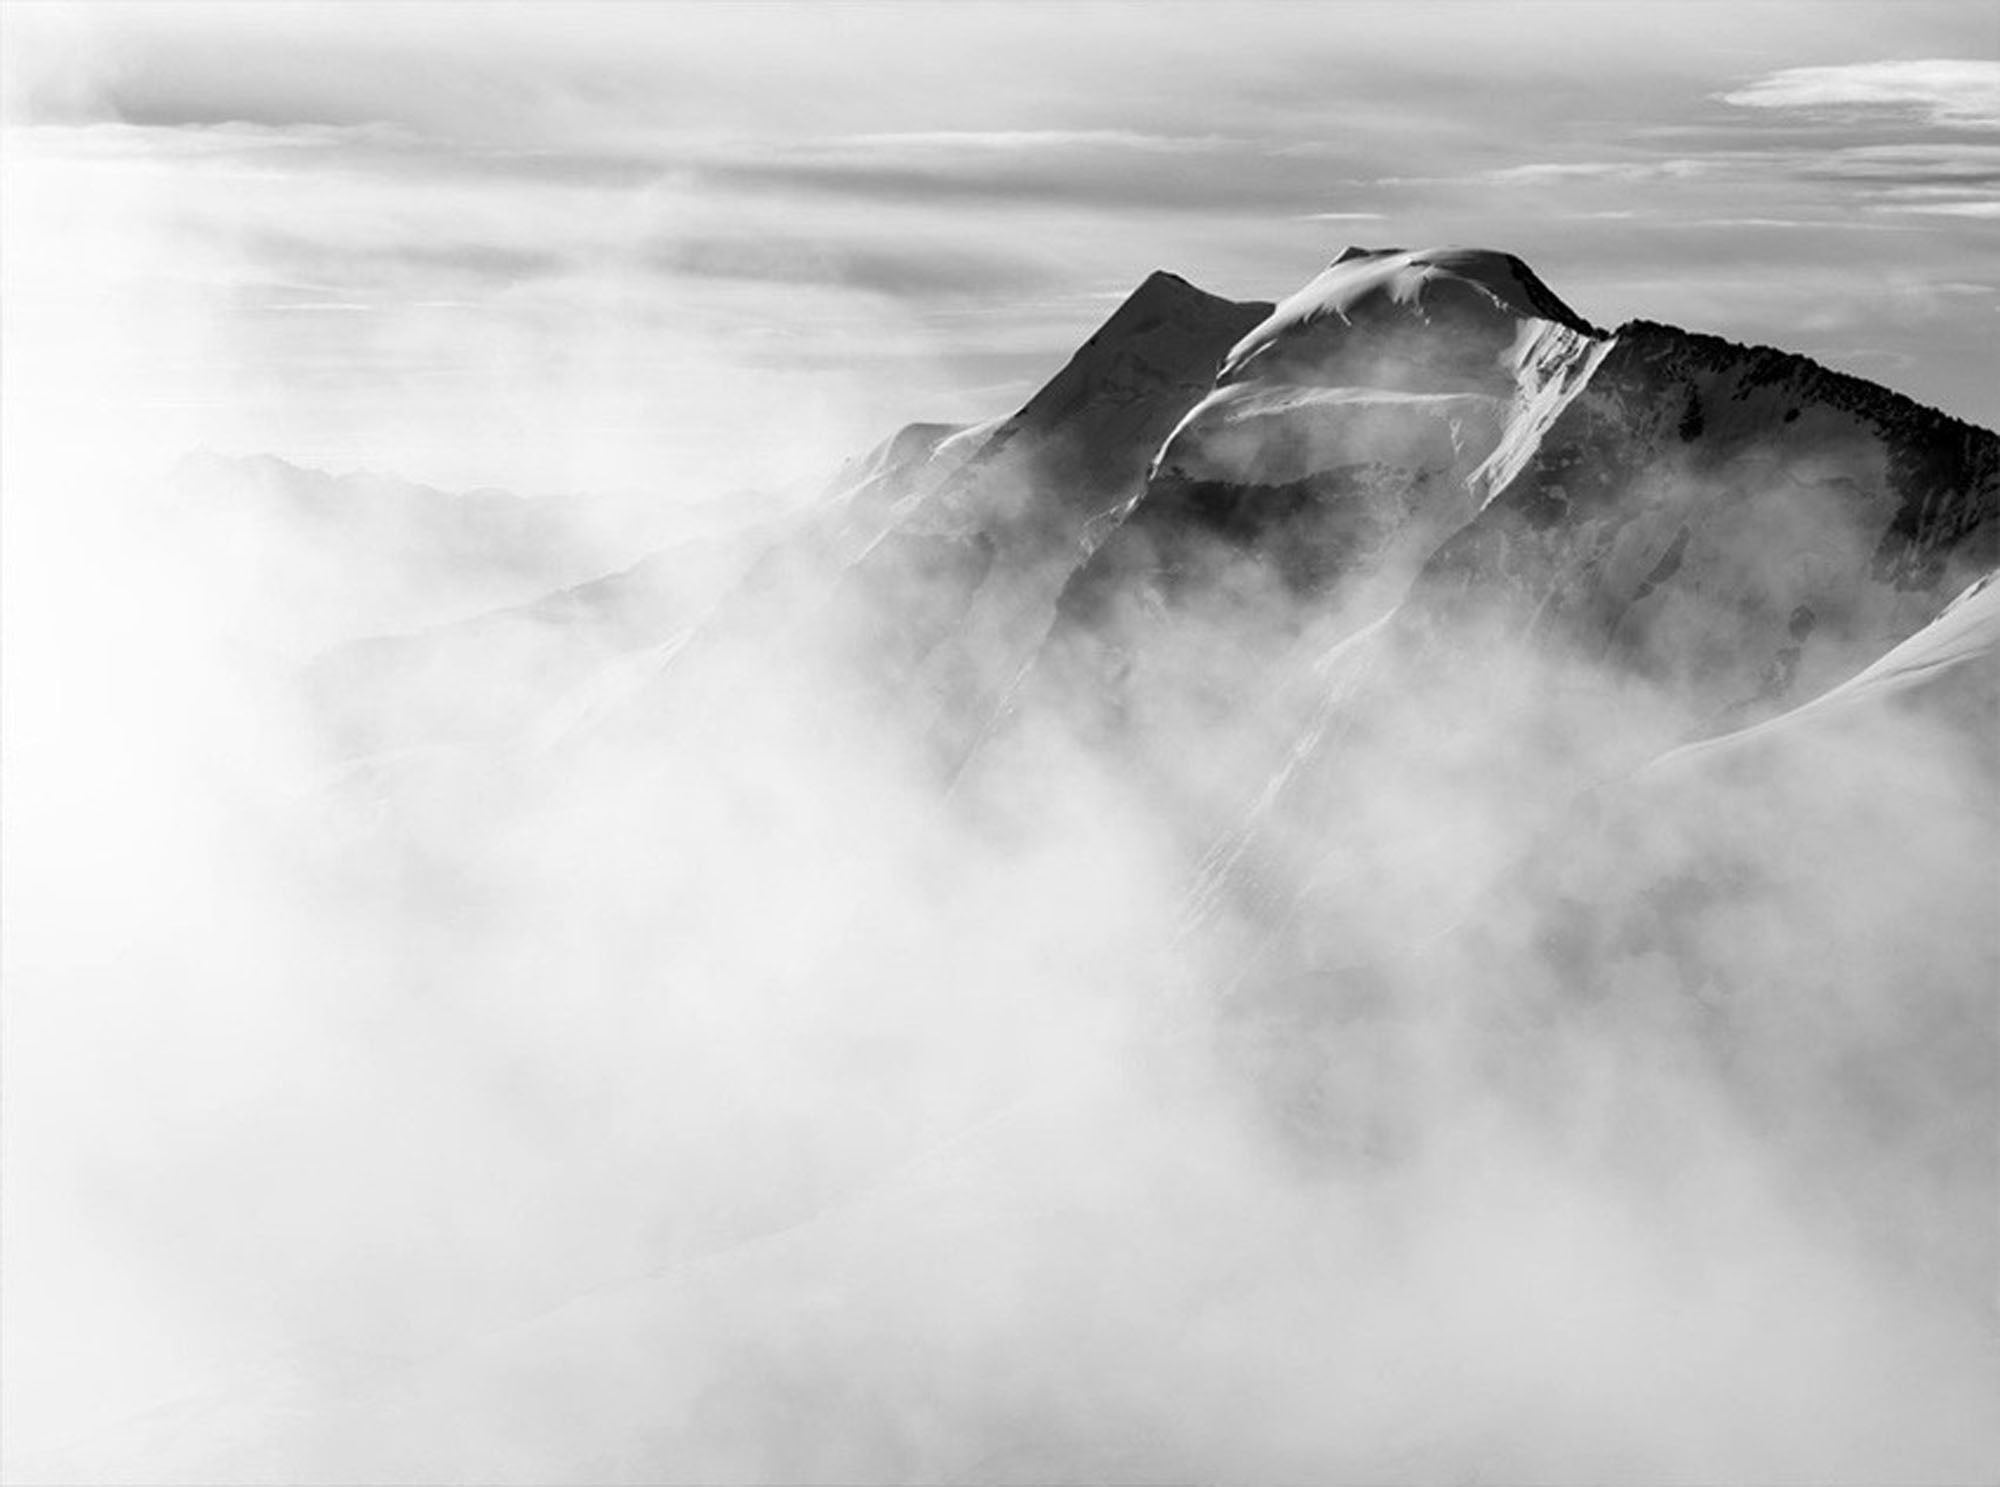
(1472, 296)
(1363, 419)
(1448, 347)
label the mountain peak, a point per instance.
(1163, 291)
(1459, 295)
(1167, 330)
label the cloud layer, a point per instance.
(381, 226)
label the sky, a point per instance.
(694, 247)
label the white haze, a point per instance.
(725, 1102)
(717, 1095)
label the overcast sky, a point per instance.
(551, 247)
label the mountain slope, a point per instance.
(1695, 535)
(1346, 435)
(1009, 528)
(1739, 525)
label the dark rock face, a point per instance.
(1346, 436)
(1306, 531)
(1087, 437)
(1735, 523)
(1036, 498)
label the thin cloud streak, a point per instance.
(1952, 93)
(954, 140)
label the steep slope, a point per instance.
(1092, 430)
(1354, 426)
(1738, 525)
(1346, 435)
(1692, 536)
(964, 547)
(1950, 668)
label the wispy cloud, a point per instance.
(923, 272)
(404, 263)
(1554, 173)
(1985, 210)
(1963, 162)
(1948, 92)
(1097, 185)
(1039, 139)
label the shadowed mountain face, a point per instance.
(1346, 436)
(1738, 525)
(988, 550)
(1701, 537)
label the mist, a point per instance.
(724, 1093)
(700, 977)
